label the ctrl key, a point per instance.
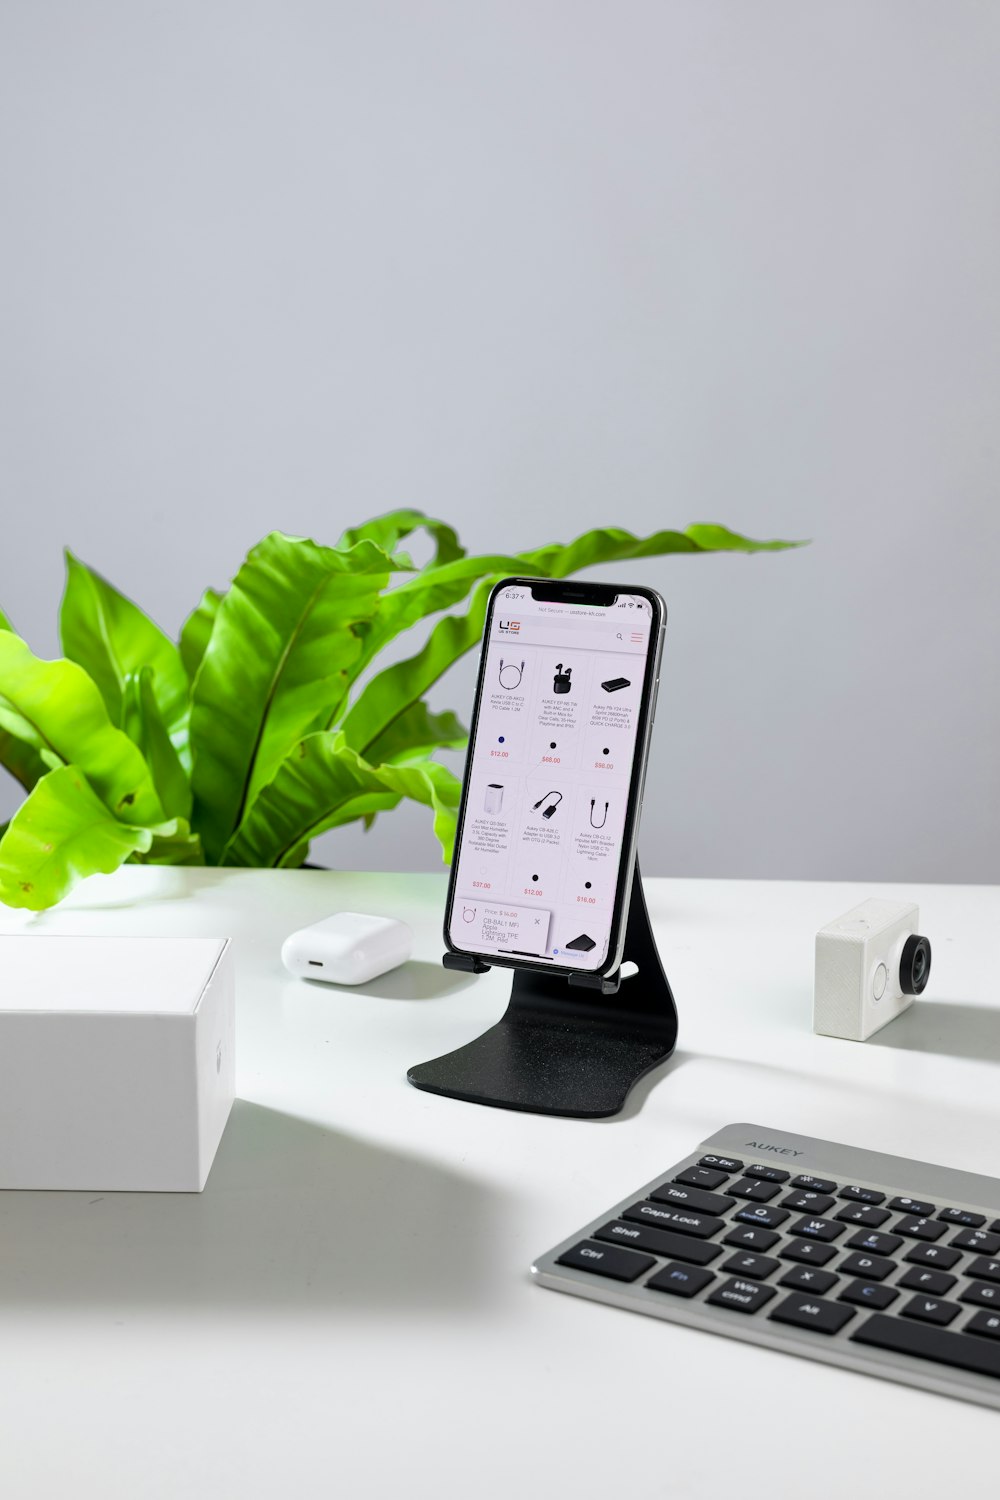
(607, 1260)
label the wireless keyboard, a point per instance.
(873, 1262)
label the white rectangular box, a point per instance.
(116, 1061)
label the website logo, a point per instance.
(509, 627)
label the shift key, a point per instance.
(659, 1242)
(680, 1220)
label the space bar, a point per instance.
(962, 1350)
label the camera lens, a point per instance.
(914, 965)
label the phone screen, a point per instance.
(550, 768)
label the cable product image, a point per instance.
(510, 667)
(603, 820)
(552, 806)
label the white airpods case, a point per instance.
(347, 948)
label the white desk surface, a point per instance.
(346, 1310)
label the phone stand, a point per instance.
(566, 1045)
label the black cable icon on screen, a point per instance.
(552, 805)
(603, 820)
(510, 667)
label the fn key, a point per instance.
(813, 1312)
(607, 1260)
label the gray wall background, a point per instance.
(535, 266)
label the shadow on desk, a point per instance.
(948, 1030)
(414, 980)
(294, 1218)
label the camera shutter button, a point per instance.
(878, 981)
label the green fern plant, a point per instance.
(252, 734)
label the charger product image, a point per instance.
(615, 684)
(552, 805)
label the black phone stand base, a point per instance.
(563, 1047)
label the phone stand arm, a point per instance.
(566, 1045)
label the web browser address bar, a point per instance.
(550, 630)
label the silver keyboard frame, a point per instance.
(893, 1175)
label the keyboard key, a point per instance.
(675, 1219)
(930, 1310)
(863, 1195)
(871, 1218)
(985, 1270)
(882, 1244)
(915, 1206)
(869, 1294)
(808, 1203)
(814, 1184)
(812, 1252)
(931, 1283)
(932, 1255)
(682, 1281)
(754, 1189)
(812, 1312)
(769, 1174)
(692, 1197)
(869, 1267)
(982, 1294)
(740, 1295)
(808, 1278)
(884, 1331)
(703, 1177)
(763, 1214)
(817, 1229)
(916, 1228)
(977, 1239)
(746, 1264)
(995, 1226)
(727, 1164)
(659, 1242)
(962, 1216)
(984, 1323)
(751, 1238)
(607, 1260)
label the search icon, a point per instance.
(619, 634)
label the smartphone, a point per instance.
(547, 823)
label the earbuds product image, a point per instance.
(561, 682)
(552, 805)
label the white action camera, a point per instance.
(870, 963)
